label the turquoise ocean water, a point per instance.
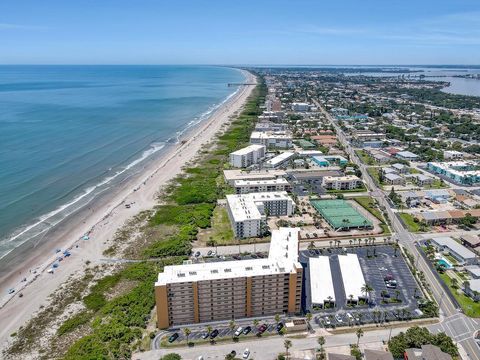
(70, 133)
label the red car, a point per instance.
(262, 328)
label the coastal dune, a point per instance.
(100, 221)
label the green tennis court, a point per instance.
(340, 214)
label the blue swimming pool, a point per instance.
(445, 263)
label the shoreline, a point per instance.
(101, 220)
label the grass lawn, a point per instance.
(221, 230)
(369, 204)
(364, 157)
(411, 224)
(450, 258)
(373, 172)
(437, 184)
(469, 307)
(360, 189)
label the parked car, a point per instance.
(279, 327)
(233, 353)
(173, 337)
(214, 334)
(214, 253)
(246, 354)
(236, 257)
(247, 330)
(349, 317)
(205, 335)
(239, 331)
(327, 321)
(197, 254)
(209, 253)
(338, 318)
(262, 328)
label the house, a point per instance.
(471, 241)
(422, 180)
(427, 352)
(438, 196)
(406, 155)
(371, 354)
(463, 255)
(389, 170)
(380, 158)
(410, 198)
(393, 179)
(402, 169)
(331, 356)
(472, 289)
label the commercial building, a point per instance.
(247, 156)
(352, 277)
(255, 186)
(459, 252)
(248, 212)
(349, 182)
(233, 175)
(321, 283)
(279, 160)
(214, 291)
(462, 172)
(282, 140)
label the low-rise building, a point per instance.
(248, 212)
(215, 291)
(462, 172)
(470, 240)
(371, 354)
(255, 186)
(247, 156)
(452, 155)
(282, 140)
(393, 179)
(329, 160)
(279, 160)
(300, 107)
(267, 174)
(459, 252)
(427, 352)
(400, 168)
(422, 180)
(349, 182)
(406, 155)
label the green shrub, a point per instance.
(74, 322)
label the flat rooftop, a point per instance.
(237, 174)
(450, 243)
(276, 181)
(321, 283)
(248, 149)
(282, 258)
(352, 276)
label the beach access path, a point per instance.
(101, 223)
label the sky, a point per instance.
(245, 32)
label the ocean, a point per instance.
(70, 133)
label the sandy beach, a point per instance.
(100, 221)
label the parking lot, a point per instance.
(376, 262)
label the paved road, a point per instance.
(462, 329)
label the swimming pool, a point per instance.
(445, 263)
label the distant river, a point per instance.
(70, 133)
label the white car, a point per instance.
(239, 331)
(246, 354)
(338, 318)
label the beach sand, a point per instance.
(100, 221)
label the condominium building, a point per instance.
(255, 186)
(248, 212)
(349, 182)
(279, 160)
(300, 107)
(280, 139)
(462, 172)
(233, 175)
(247, 156)
(215, 291)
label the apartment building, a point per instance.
(275, 139)
(204, 292)
(247, 156)
(247, 212)
(462, 172)
(349, 182)
(255, 186)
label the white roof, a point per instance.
(244, 206)
(309, 152)
(248, 149)
(278, 181)
(280, 158)
(321, 283)
(341, 178)
(407, 154)
(352, 276)
(392, 176)
(282, 258)
(237, 174)
(269, 135)
(456, 247)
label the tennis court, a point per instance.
(340, 214)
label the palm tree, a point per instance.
(209, 329)
(321, 342)
(366, 289)
(187, 333)
(383, 294)
(350, 241)
(277, 318)
(359, 316)
(329, 298)
(351, 298)
(255, 323)
(359, 333)
(454, 282)
(288, 345)
(232, 326)
(308, 317)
